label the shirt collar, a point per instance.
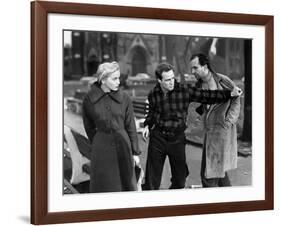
(216, 77)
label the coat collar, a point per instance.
(158, 88)
(96, 94)
(217, 78)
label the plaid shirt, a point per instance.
(168, 112)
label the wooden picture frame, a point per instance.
(39, 112)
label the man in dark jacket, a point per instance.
(166, 122)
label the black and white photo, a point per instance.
(203, 139)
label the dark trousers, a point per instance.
(159, 147)
(212, 182)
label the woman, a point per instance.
(110, 126)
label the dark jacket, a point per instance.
(169, 113)
(110, 126)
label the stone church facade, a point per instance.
(141, 53)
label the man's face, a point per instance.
(167, 82)
(198, 70)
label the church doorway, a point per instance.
(138, 61)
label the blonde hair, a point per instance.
(106, 69)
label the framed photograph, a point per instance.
(69, 42)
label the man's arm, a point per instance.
(233, 111)
(210, 96)
(149, 120)
(235, 103)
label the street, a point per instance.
(239, 177)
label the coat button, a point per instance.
(107, 107)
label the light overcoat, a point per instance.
(220, 140)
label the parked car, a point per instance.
(88, 80)
(139, 79)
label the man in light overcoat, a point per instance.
(220, 141)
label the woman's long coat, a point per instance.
(220, 140)
(110, 126)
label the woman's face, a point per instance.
(112, 82)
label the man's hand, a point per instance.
(236, 92)
(145, 133)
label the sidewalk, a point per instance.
(239, 177)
